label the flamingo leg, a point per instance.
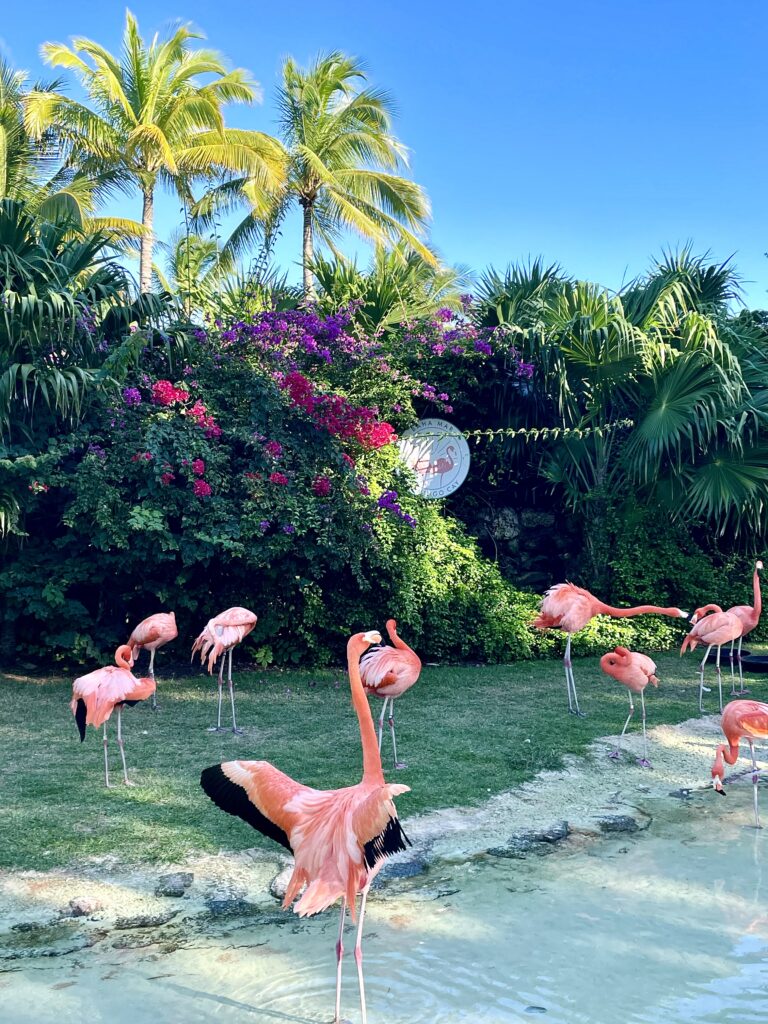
(152, 676)
(121, 745)
(616, 754)
(570, 682)
(643, 761)
(339, 956)
(742, 691)
(719, 680)
(217, 727)
(755, 781)
(359, 955)
(382, 716)
(231, 686)
(398, 764)
(106, 760)
(733, 673)
(702, 688)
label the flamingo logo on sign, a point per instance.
(438, 454)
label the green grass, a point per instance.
(465, 732)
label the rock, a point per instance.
(279, 883)
(146, 920)
(175, 884)
(83, 906)
(406, 867)
(230, 906)
(532, 840)
(681, 794)
(617, 823)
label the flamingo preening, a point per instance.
(339, 837)
(388, 672)
(220, 635)
(749, 616)
(570, 608)
(634, 671)
(713, 627)
(746, 719)
(153, 632)
(95, 697)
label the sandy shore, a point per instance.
(47, 913)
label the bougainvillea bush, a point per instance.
(262, 472)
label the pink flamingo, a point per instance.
(95, 697)
(741, 718)
(713, 627)
(339, 837)
(220, 636)
(153, 632)
(634, 671)
(570, 608)
(749, 616)
(444, 465)
(388, 672)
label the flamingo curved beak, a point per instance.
(718, 786)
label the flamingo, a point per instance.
(713, 627)
(568, 607)
(749, 616)
(634, 671)
(747, 719)
(339, 837)
(220, 635)
(388, 672)
(95, 697)
(153, 632)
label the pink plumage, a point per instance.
(387, 672)
(153, 632)
(222, 633)
(630, 668)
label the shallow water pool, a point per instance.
(663, 926)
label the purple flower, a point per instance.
(484, 347)
(444, 314)
(288, 528)
(97, 450)
(443, 397)
(264, 525)
(466, 300)
(131, 396)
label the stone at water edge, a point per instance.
(175, 884)
(279, 883)
(83, 906)
(618, 823)
(146, 920)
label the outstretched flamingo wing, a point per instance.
(257, 792)
(377, 826)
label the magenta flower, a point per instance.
(278, 478)
(273, 449)
(321, 486)
(198, 467)
(201, 489)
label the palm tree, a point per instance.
(152, 119)
(343, 159)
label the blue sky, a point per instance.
(593, 133)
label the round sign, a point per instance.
(438, 454)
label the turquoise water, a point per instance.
(665, 926)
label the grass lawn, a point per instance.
(465, 733)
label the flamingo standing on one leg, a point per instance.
(388, 672)
(568, 607)
(749, 616)
(747, 719)
(153, 632)
(95, 697)
(713, 627)
(220, 635)
(339, 837)
(634, 671)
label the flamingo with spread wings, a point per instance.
(220, 635)
(388, 672)
(155, 631)
(95, 697)
(339, 837)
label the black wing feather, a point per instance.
(392, 840)
(81, 714)
(233, 799)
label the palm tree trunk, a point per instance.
(147, 242)
(308, 253)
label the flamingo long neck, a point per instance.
(730, 752)
(371, 757)
(757, 599)
(397, 642)
(641, 609)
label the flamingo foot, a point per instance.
(215, 728)
(706, 689)
(643, 762)
(128, 782)
(615, 755)
(740, 693)
(237, 731)
(578, 714)
(400, 764)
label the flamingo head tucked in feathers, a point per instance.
(372, 637)
(618, 656)
(124, 657)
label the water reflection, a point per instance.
(669, 925)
